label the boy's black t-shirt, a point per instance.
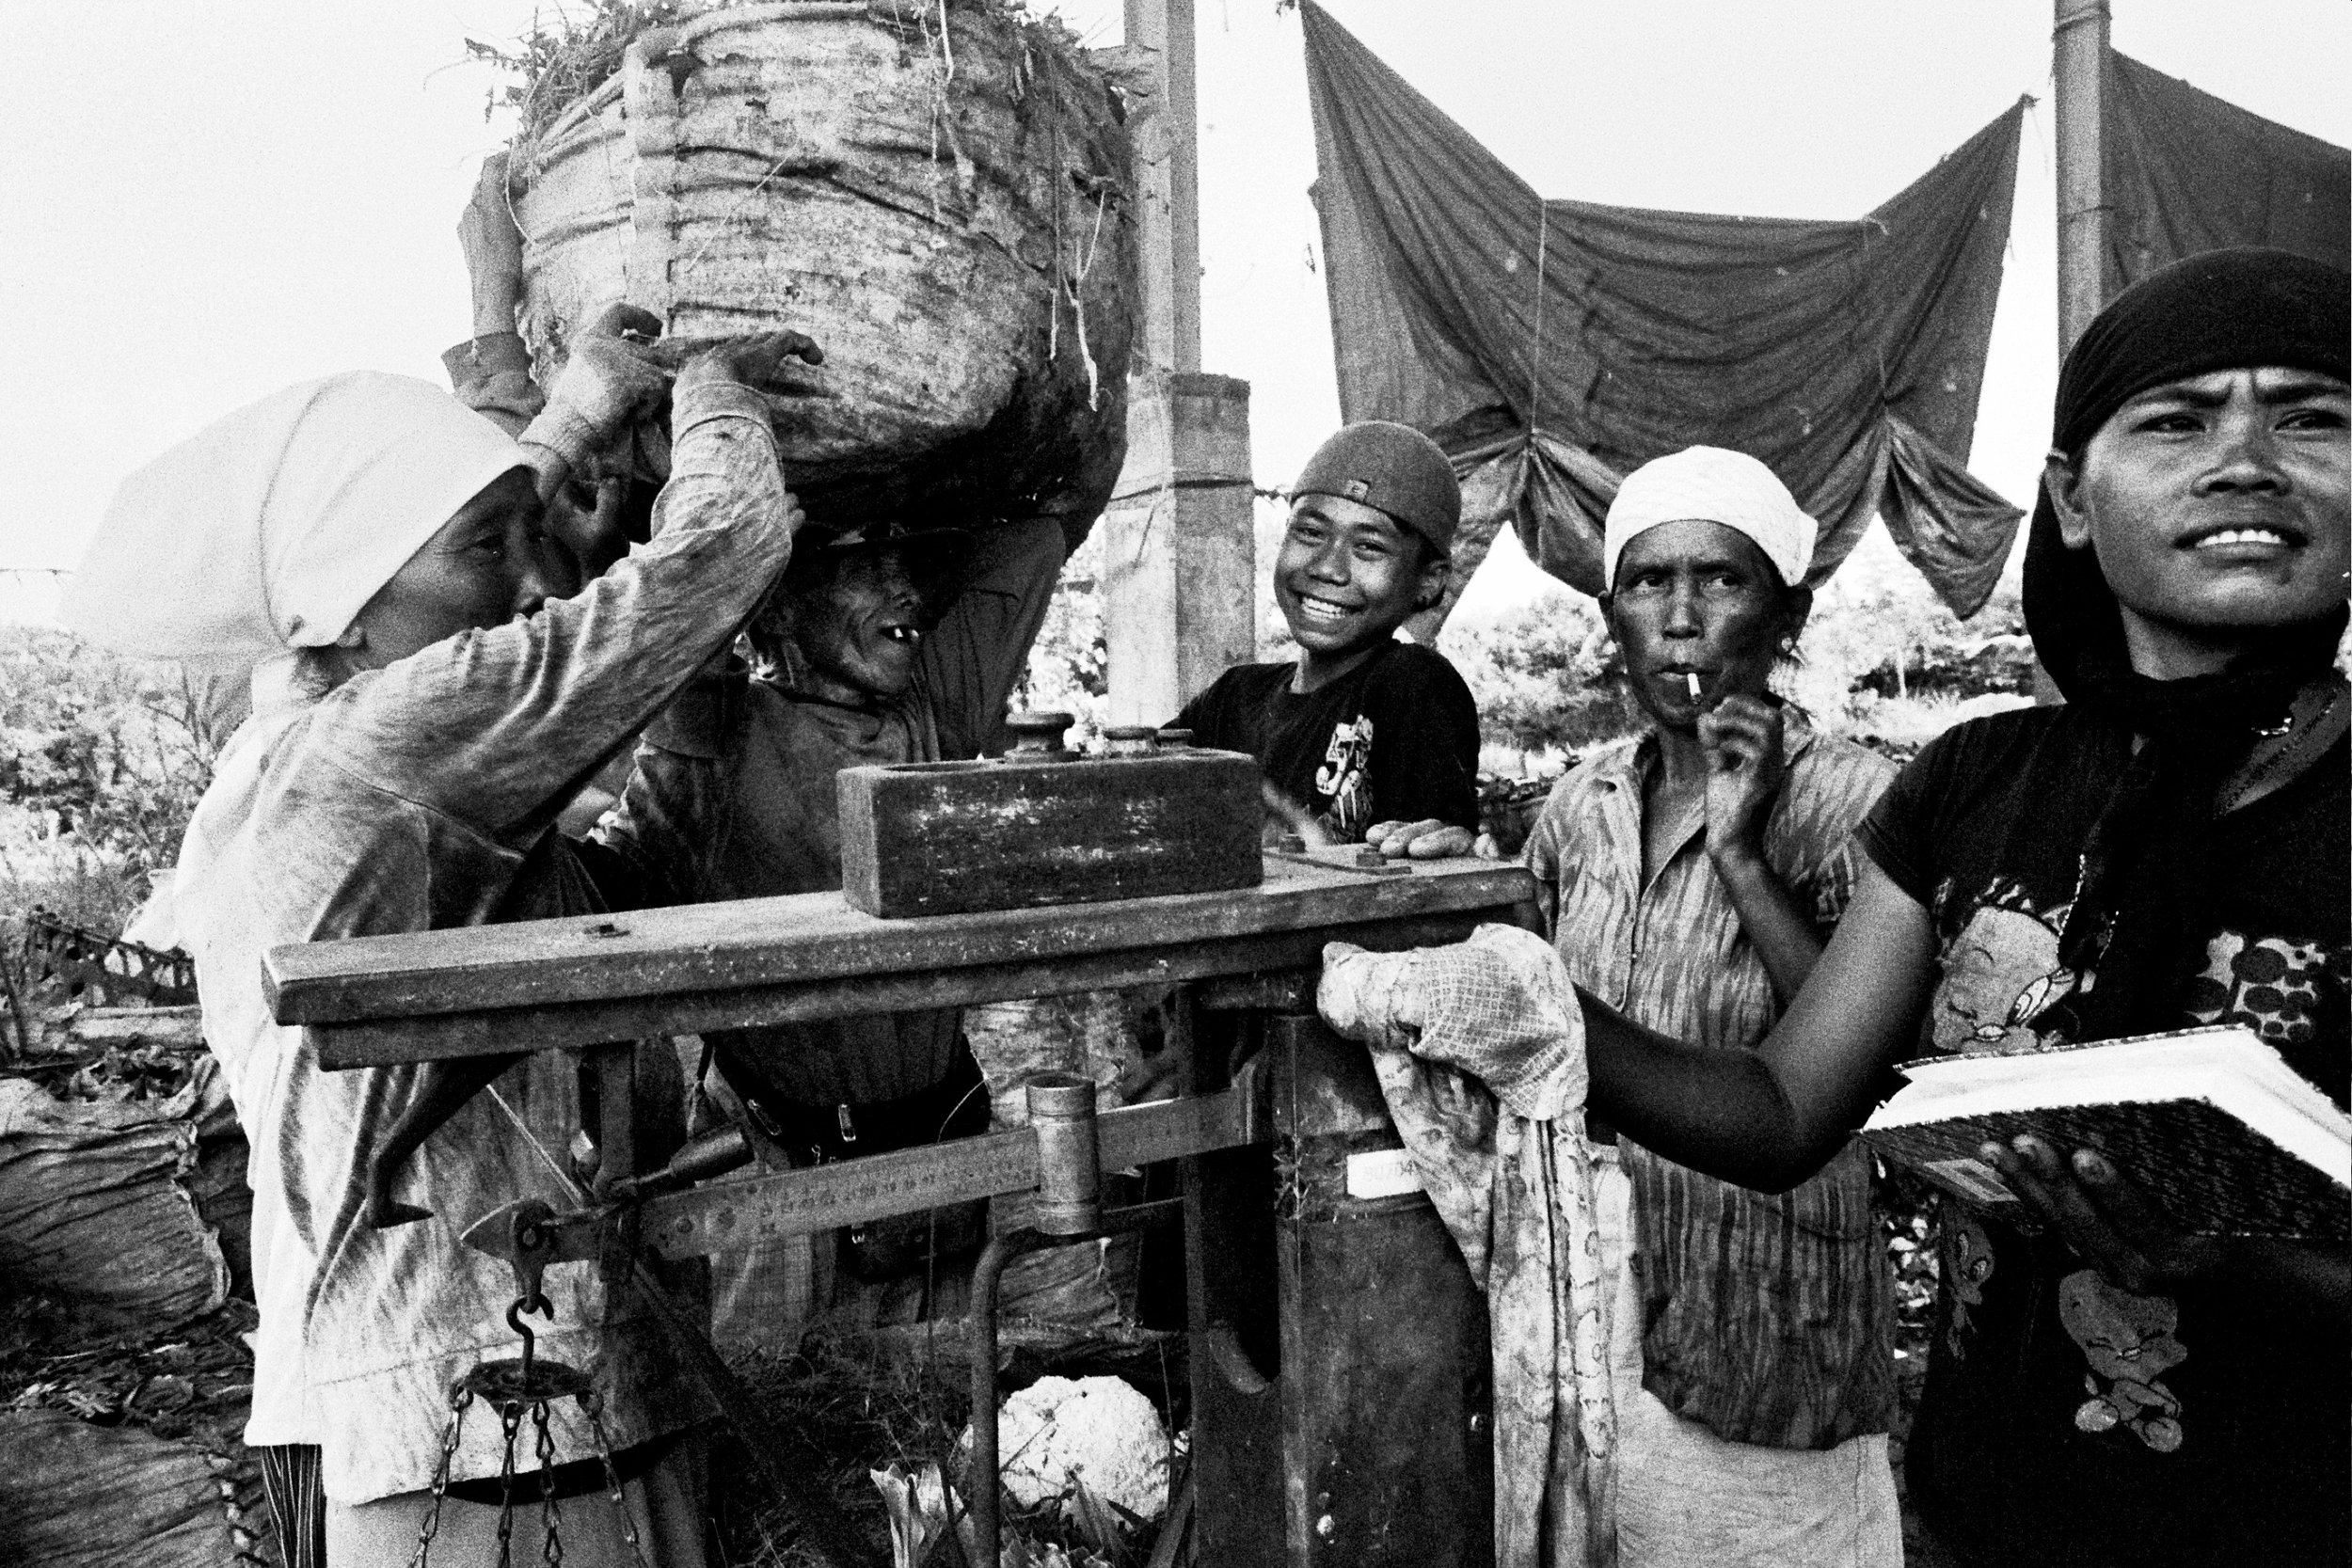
(1395, 739)
(2066, 1421)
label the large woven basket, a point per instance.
(933, 192)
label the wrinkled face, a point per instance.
(1696, 597)
(489, 564)
(2217, 505)
(859, 624)
(1349, 575)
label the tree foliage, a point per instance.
(1547, 677)
(103, 761)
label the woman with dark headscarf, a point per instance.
(2168, 849)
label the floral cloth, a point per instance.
(1479, 1049)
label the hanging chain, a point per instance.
(592, 1404)
(551, 1550)
(459, 1398)
(511, 1423)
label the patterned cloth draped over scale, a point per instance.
(1479, 1049)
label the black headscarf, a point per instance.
(2137, 918)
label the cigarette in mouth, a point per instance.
(1692, 676)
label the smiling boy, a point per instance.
(1362, 734)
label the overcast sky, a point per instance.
(205, 202)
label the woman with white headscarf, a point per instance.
(425, 704)
(1691, 876)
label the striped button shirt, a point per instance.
(1766, 1316)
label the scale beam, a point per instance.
(752, 1210)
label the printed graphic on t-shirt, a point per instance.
(2270, 985)
(1344, 780)
(2128, 1340)
(1998, 971)
(1999, 975)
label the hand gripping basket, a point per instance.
(936, 193)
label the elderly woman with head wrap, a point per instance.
(1690, 875)
(425, 703)
(2168, 849)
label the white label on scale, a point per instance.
(1381, 1173)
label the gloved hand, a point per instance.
(1500, 1007)
(607, 386)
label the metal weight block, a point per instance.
(1043, 826)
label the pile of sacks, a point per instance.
(124, 1250)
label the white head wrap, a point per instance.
(269, 528)
(268, 531)
(1711, 484)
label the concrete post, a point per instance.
(1179, 556)
(1179, 573)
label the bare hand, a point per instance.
(1426, 840)
(1741, 738)
(493, 249)
(608, 385)
(2104, 1216)
(609, 382)
(751, 361)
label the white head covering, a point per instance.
(1711, 484)
(269, 528)
(266, 533)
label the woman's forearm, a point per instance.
(1782, 933)
(1771, 1117)
(1720, 1112)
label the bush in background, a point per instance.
(102, 759)
(1547, 679)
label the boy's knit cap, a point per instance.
(1393, 468)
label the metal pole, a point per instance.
(2078, 70)
(980, 1481)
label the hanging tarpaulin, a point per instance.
(1554, 346)
(2184, 171)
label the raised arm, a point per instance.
(497, 729)
(974, 658)
(655, 845)
(1746, 770)
(1769, 1118)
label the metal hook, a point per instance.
(536, 1302)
